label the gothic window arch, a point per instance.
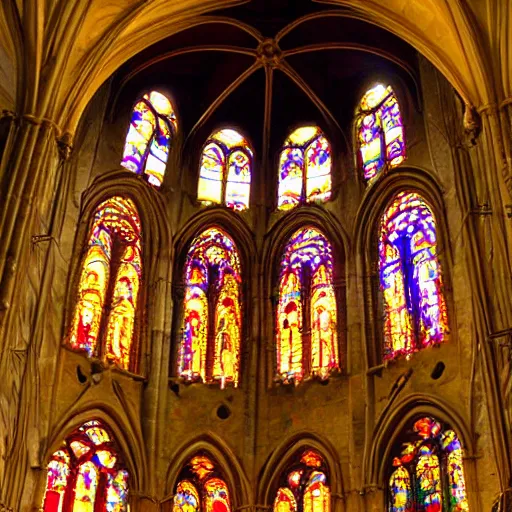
(104, 319)
(201, 487)
(380, 132)
(304, 486)
(152, 127)
(411, 283)
(226, 168)
(87, 473)
(212, 316)
(306, 316)
(305, 166)
(426, 473)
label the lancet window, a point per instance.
(226, 167)
(152, 128)
(427, 473)
(306, 320)
(212, 323)
(108, 292)
(304, 168)
(87, 473)
(201, 488)
(380, 131)
(304, 487)
(411, 282)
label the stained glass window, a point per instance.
(201, 488)
(211, 329)
(304, 486)
(226, 166)
(152, 127)
(86, 473)
(109, 284)
(427, 473)
(304, 168)
(415, 313)
(306, 319)
(380, 131)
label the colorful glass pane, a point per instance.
(149, 137)
(311, 459)
(304, 168)
(85, 488)
(317, 496)
(226, 170)
(400, 491)
(212, 279)
(56, 482)
(415, 313)
(306, 277)
(428, 481)
(216, 497)
(97, 434)
(380, 131)
(285, 501)
(202, 466)
(79, 448)
(117, 492)
(186, 498)
(454, 466)
(115, 226)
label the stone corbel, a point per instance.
(472, 124)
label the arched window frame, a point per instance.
(201, 485)
(116, 256)
(227, 151)
(415, 340)
(304, 148)
(307, 369)
(91, 444)
(171, 125)
(211, 295)
(427, 449)
(376, 111)
(305, 480)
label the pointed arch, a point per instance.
(380, 131)
(415, 314)
(87, 471)
(305, 165)
(210, 338)
(110, 281)
(307, 310)
(225, 170)
(152, 127)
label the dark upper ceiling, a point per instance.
(269, 65)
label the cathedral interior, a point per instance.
(256, 255)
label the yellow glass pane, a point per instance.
(302, 136)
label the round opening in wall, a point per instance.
(223, 412)
(438, 370)
(80, 375)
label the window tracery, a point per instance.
(306, 323)
(428, 474)
(86, 473)
(304, 168)
(380, 131)
(415, 314)
(152, 127)
(226, 167)
(108, 290)
(201, 488)
(304, 487)
(211, 328)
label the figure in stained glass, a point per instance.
(415, 313)
(201, 488)
(85, 471)
(304, 486)
(428, 475)
(211, 332)
(152, 127)
(306, 282)
(225, 170)
(380, 131)
(113, 252)
(304, 168)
